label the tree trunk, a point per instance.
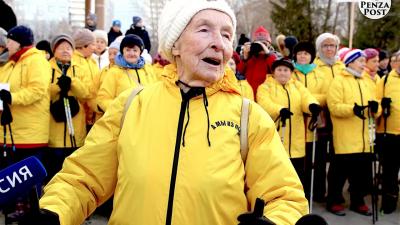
(327, 16)
(336, 18)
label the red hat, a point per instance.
(261, 34)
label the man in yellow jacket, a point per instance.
(176, 158)
(351, 104)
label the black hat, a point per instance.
(131, 40)
(21, 34)
(304, 46)
(45, 46)
(383, 55)
(282, 62)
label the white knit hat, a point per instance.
(176, 16)
(322, 37)
(352, 55)
(101, 34)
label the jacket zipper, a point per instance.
(333, 72)
(137, 74)
(290, 123)
(184, 103)
(362, 102)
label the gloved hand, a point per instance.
(315, 109)
(64, 82)
(6, 116)
(5, 96)
(359, 111)
(285, 114)
(373, 106)
(256, 217)
(385, 103)
(43, 217)
(311, 219)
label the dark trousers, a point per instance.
(54, 159)
(356, 168)
(319, 170)
(299, 166)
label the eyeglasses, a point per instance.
(329, 46)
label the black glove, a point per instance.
(385, 103)
(373, 106)
(64, 82)
(5, 96)
(315, 109)
(6, 116)
(43, 217)
(285, 114)
(359, 111)
(256, 217)
(311, 219)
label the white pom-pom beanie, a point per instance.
(177, 14)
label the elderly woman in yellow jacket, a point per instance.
(371, 68)
(176, 158)
(350, 102)
(286, 99)
(66, 82)
(129, 71)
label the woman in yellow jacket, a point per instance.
(389, 130)
(129, 71)
(65, 80)
(176, 159)
(286, 99)
(350, 101)
(371, 68)
(305, 71)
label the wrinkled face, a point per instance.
(303, 57)
(112, 52)
(373, 64)
(204, 48)
(383, 64)
(101, 45)
(232, 64)
(88, 49)
(131, 54)
(282, 74)
(12, 47)
(358, 64)
(329, 48)
(63, 52)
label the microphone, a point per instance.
(311, 219)
(19, 178)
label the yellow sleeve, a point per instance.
(379, 88)
(107, 91)
(335, 100)
(270, 174)
(38, 79)
(78, 87)
(306, 97)
(88, 177)
(264, 100)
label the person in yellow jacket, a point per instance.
(245, 88)
(84, 48)
(350, 102)
(176, 158)
(371, 68)
(130, 70)
(65, 80)
(25, 115)
(305, 71)
(389, 130)
(286, 99)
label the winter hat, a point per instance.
(3, 37)
(304, 46)
(131, 40)
(45, 46)
(21, 34)
(261, 34)
(101, 34)
(342, 52)
(116, 23)
(83, 37)
(322, 37)
(370, 53)
(59, 38)
(282, 62)
(115, 44)
(136, 20)
(92, 16)
(171, 26)
(352, 55)
(290, 42)
(280, 42)
(383, 55)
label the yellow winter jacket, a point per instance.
(314, 81)
(329, 72)
(29, 80)
(350, 133)
(213, 185)
(58, 132)
(390, 90)
(119, 79)
(246, 90)
(371, 82)
(89, 68)
(273, 96)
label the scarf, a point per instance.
(305, 68)
(120, 61)
(18, 54)
(353, 72)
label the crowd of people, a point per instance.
(167, 133)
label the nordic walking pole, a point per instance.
(312, 168)
(371, 130)
(283, 131)
(68, 116)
